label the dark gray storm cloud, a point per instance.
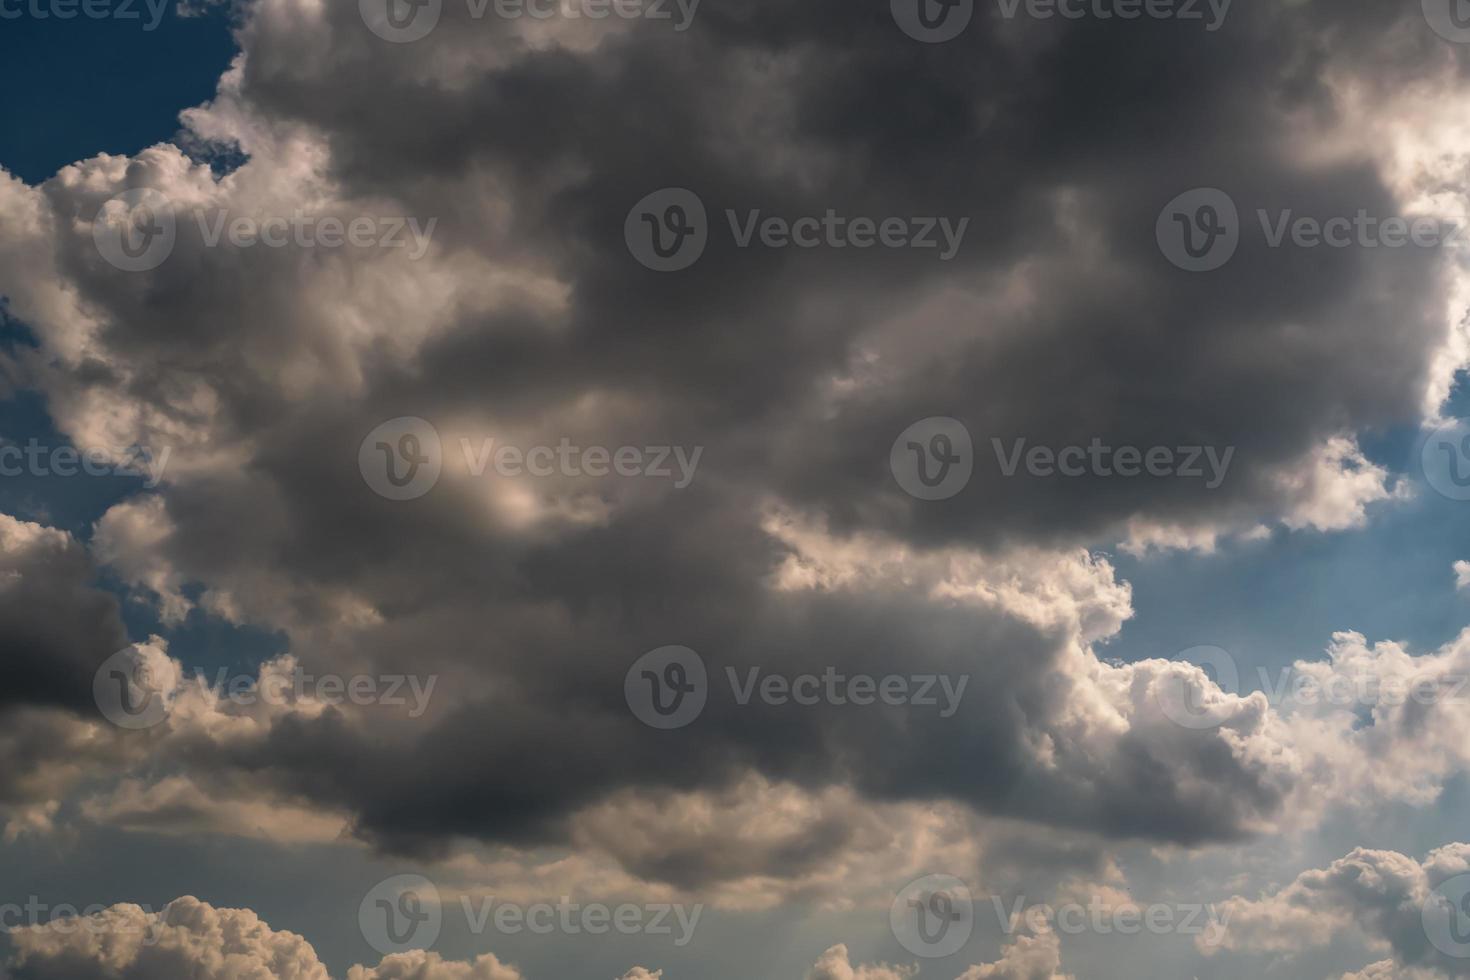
(1058, 320)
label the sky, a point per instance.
(713, 489)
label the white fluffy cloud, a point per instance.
(1377, 897)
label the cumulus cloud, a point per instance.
(834, 964)
(526, 320)
(422, 965)
(185, 938)
(1378, 896)
(1030, 957)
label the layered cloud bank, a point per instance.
(504, 612)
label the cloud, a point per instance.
(527, 321)
(834, 965)
(186, 938)
(421, 965)
(1035, 957)
(1379, 896)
